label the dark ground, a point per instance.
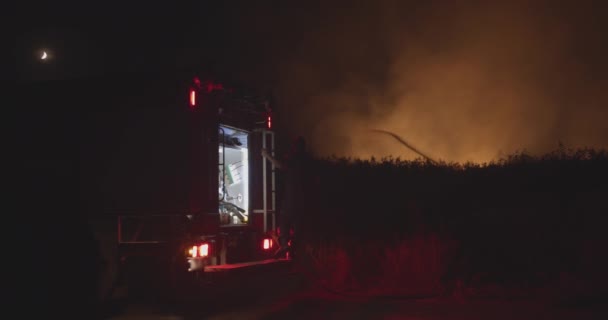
(283, 294)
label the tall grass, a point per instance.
(410, 226)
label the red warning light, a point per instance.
(269, 122)
(210, 86)
(192, 98)
(197, 82)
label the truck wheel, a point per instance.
(182, 284)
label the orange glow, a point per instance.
(267, 244)
(203, 250)
(456, 91)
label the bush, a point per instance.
(521, 220)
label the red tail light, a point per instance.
(267, 244)
(269, 122)
(200, 251)
(203, 250)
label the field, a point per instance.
(523, 228)
(519, 226)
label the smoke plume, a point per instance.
(460, 82)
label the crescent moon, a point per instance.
(44, 55)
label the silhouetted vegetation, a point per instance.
(526, 221)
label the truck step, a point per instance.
(245, 265)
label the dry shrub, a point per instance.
(329, 264)
(519, 223)
(412, 266)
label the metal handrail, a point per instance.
(265, 209)
(120, 225)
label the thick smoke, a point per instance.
(460, 82)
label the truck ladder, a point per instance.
(266, 207)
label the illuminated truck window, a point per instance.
(233, 176)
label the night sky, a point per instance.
(460, 80)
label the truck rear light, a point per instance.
(267, 244)
(203, 250)
(200, 251)
(193, 252)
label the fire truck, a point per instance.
(175, 160)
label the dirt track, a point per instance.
(291, 296)
(311, 306)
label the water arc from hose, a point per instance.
(405, 143)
